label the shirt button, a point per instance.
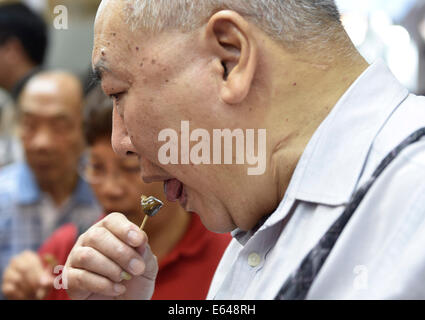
(254, 259)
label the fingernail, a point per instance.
(126, 276)
(119, 288)
(134, 238)
(136, 266)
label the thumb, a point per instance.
(46, 284)
(151, 263)
(143, 286)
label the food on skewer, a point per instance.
(150, 206)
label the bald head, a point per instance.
(51, 125)
(52, 88)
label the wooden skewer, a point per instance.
(143, 197)
(144, 222)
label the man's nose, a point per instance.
(121, 142)
(111, 186)
(42, 140)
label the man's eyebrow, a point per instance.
(61, 115)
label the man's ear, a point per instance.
(232, 42)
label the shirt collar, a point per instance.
(30, 193)
(333, 161)
(330, 168)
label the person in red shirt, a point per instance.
(187, 252)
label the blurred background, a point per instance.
(393, 30)
(69, 48)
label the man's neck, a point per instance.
(60, 192)
(314, 92)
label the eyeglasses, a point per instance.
(98, 172)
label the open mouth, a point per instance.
(174, 191)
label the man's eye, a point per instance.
(131, 170)
(115, 96)
(95, 168)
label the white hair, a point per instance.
(290, 21)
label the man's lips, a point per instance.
(173, 189)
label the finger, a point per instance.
(30, 266)
(82, 284)
(13, 277)
(11, 292)
(90, 259)
(113, 248)
(46, 285)
(146, 280)
(123, 229)
(151, 262)
(41, 293)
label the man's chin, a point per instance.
(46, 178)
(213, 224)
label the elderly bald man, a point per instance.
(45, 192)
(337, 213)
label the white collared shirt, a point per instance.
(381, 252)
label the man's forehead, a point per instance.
(110, 14)
(103, 4)
(51, 101)
(108, 49)
(52, 110)
(43, 86)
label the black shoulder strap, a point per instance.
(299, 283)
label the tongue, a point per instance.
(173, 189)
